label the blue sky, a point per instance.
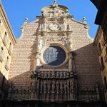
(18, 10)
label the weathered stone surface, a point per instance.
(81, 61)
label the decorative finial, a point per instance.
(55, 3)
(85, 23)
(26, 20)
(84, 20)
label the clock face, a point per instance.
(54, 55)
(54, 26)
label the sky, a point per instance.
(18, 10)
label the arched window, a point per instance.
(10, 48)
(0, 22)
(105, 82)
(1, 54)
(7, 66)
(102, 64)
(99, 48)
(5, 39)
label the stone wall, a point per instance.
(85, 61)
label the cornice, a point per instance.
(6, 22)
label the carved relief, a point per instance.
(54, 83)
(55, 86)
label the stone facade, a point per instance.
(78, 78)
(54, 62)
(102, 49)
(101, 38)
(7, 42)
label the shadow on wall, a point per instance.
(3, 87)
(86, 71)
(85, 67)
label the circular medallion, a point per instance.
(54, 26)
(54, 55)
